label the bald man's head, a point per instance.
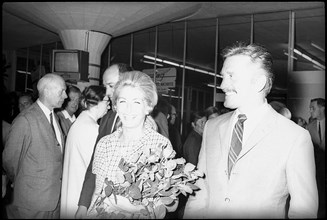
(51, 88)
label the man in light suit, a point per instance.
(276, 155)
(317, 112)
(33, 153)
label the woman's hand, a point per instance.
(81, 212)
(123, 204)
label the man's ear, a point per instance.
(260, 82)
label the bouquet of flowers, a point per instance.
(149, 185)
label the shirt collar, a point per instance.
(67, 115)
(255, 115)
(44, 109)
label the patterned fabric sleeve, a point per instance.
(100, 156)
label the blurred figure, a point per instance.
(160, 114)
(317, 131)
(33, 155)
(281, 109)
(301, 121)
(69, 107)
(211, 112)
(192, 144)
(79, 147)
(24, 101)
(174, 134)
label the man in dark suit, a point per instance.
(107, 126)
(33, 156)
(317, 131)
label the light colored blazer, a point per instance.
(33, 161)
(276, 160)
(312, 128)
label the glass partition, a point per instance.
(277, 45)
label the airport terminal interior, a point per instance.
(180, 41)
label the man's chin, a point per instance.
(229, 104)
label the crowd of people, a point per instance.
(259, 160)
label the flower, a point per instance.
(148, 185)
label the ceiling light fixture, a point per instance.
(317, 67)
(182, 66)
(149, 62)
(316, 46)
(210, 85)
(172, 96)
(309, 58)
(291, 56)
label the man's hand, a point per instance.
(81, 212)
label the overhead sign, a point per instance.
(165, 78)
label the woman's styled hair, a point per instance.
(137, 79)
(258, 54)
(92, 95)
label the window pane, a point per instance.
(277, 45)
(309, 40)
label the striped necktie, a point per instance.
(236, 143)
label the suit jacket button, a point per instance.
(227, 199)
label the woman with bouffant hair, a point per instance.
(79, 147)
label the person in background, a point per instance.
(317, 131)
(25, 100)
(174, 135)
(192, 144)
(134, 97)
(33, 155)
(160, 115)
(79, 147)
(281, 109)
(301, 121)
(211, 112)
(67, 112)
(253, 157)
(108, 123)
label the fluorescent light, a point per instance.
(316, 46)
(317, 67)
(172, 96)
(171, 63)
(182, 66)
(210, 85)
(20, 71)
(291, 56)
(152, 58)
(309, 58)
(149, 62)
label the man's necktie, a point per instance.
(236, 143)
(319, 131)
(51, 122)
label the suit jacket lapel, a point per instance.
(46, 123)
(224, 130)
(264, 127)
